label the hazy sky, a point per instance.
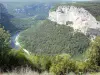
(32, 0)
(41, 0)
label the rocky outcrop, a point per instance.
(78, 18)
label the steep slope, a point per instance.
(5, 19)
(78, 18)
(23, 14)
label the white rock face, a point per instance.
(82, 20)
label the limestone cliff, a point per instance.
(78, 18)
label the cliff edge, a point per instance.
(78, 18)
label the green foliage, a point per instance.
(61, 64)
(23, 23)
(4, 40)
(4, 46)
(19, 58)
(20, 16)
(64, 64)
(51, 38)
(94, 52)
(58, 64)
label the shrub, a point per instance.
(62, 64)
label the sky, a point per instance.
(41, 0)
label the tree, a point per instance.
(4, 47)
(4, 41)
(94, 51)
(94, 54)
(62, 64)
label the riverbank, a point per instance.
(15, 43)
(18, 44)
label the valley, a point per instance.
(53, 38)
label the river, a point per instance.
(15, 44)
(14, 41)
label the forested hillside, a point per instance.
(15, 16)
(5, 19)
(23, 23)
(51, 38)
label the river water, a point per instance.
(14, 43)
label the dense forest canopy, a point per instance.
(51, 38)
